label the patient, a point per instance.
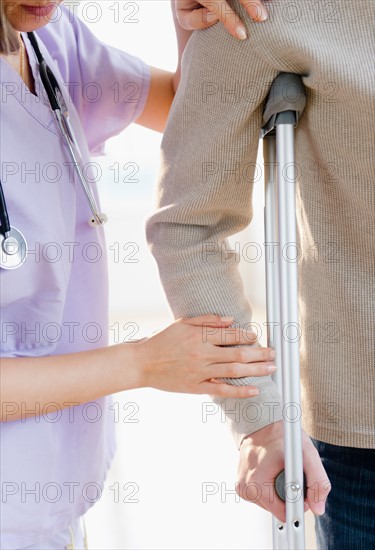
(208, 148)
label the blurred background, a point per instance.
(171, 485)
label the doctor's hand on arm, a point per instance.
(190, 15)
(185, 357)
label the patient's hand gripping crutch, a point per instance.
(285, 103)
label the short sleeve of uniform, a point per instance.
(108, 87)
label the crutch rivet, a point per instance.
(295, 487)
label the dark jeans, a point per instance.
(349, 519)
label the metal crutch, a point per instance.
(285, 103)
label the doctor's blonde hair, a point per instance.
(8, 36)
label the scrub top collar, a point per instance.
(37, 105)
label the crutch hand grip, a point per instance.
(280, 485)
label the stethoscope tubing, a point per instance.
(51, 86)
(4, 218)
(13, 245)
(98, 219)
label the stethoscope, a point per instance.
(13, 246)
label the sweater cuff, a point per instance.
(248, 415)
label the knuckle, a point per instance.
(242, 355)
(233, 370)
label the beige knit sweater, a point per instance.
(208, 158)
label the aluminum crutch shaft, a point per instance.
(285, 102)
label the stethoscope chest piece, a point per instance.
(13, 249)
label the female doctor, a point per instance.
(54, 326)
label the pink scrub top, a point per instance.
(53, 465)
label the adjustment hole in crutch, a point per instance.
(281, 527)
(296, 524)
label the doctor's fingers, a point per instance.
(201, 14)
(256, 10)
(242, 354)
(228, 336)
(239, 370)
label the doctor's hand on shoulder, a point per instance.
(188, 16)
(201, 14)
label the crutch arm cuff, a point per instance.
(285, 102)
